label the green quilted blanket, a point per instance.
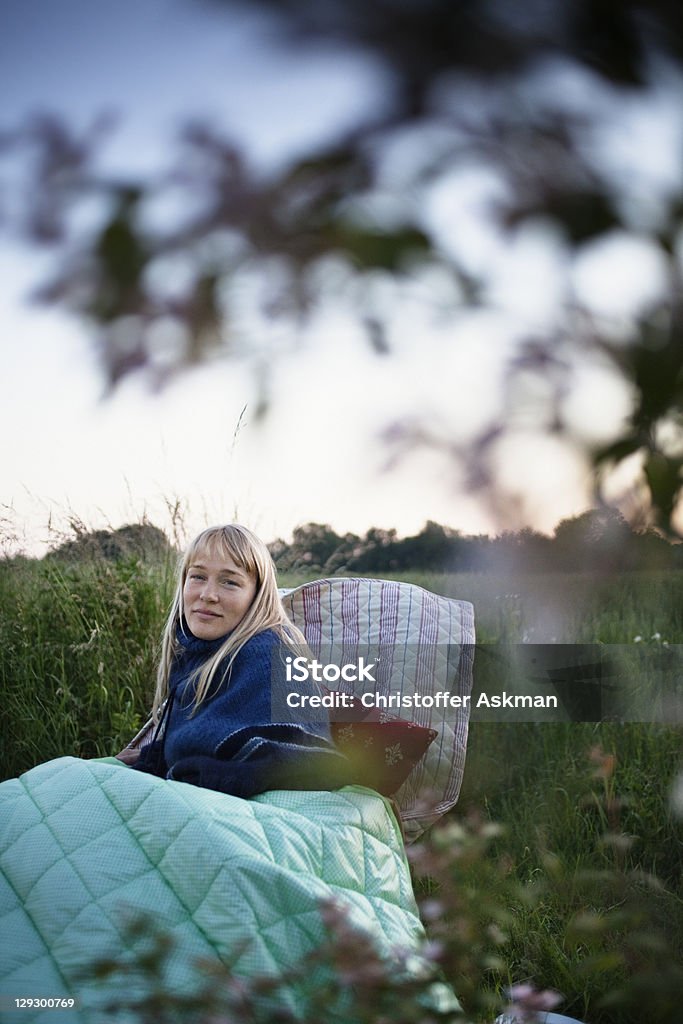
(87, 845)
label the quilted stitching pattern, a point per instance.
(425, 644)
(86, 843)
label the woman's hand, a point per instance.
(129, 755)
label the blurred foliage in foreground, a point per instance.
(533, 113)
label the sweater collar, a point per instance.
(193, 644)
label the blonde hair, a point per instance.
(265, 612)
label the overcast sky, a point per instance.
(318, 456)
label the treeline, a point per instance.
(599, 539)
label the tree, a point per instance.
(517, 95)
(138, 541)
(597, 539)
(433, 548)
(313, 547)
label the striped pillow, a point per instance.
(422, 645)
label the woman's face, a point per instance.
(216, 596)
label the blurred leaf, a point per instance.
(121, 257)
(663, 474)
(463, 92)
(582, 214)
(381, 249)
(617, 450)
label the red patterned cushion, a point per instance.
(385, 752)
(384, 748)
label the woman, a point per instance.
(223, 721)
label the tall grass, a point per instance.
(568, 608)
(587, 834)
(589, 845)
(78, 647)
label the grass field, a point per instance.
(578, 888)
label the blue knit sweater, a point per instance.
(233, 743)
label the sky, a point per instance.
(320, 454)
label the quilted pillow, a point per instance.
(423, 645)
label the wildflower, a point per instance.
(433, 950)
(432, 909)
(677, 796)
(526, 1002)
(605, 763)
